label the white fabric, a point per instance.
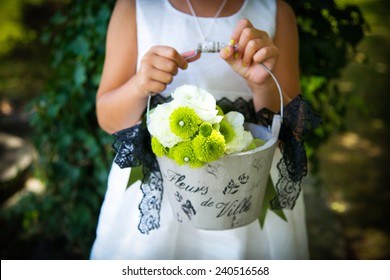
(117, 233)
(160, 23)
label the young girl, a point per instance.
(150, 50)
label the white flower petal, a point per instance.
(200, 100)
(242, 138)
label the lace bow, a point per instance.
(299, 120)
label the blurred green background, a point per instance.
(51, 54)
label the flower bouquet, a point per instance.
(215, 167)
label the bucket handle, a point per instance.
(278, 86)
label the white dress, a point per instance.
(118, 237)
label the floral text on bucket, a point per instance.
(179, 180)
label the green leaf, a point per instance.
(80, 46)
(135, 175)
(80, 75)
(269, 195)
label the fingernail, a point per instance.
(244, 64)
(236, 55)
(227, 51)
(232, 42)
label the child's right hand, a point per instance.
(157, 69)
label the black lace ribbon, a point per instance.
(133, 148)
(299, 120)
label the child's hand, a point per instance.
(157, 69)
(249, 47)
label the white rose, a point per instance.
(242, 138)
(159, 127)
(199, 99)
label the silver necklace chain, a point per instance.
(204, 35)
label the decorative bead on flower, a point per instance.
(192, 130)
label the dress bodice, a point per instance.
(159, 23)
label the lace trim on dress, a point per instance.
(133, 149)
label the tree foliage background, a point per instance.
(75, 155)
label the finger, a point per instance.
(172, 54)
(164, 64)
(251, 48)
(161, 76)
(153, 80)
(228, 52)
(149, 86)
(191, 56)
(241, 25)
(254, 41)
(267, 55)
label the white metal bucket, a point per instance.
(229, 192)
(224, 194)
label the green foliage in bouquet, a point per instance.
(75, 155)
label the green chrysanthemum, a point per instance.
(158, 149)
(205, 129)
(183, 153)
(184, 122)
(210, 148)
(226, 130)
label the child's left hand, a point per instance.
(249, 47)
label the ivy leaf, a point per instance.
(80, 46)
(80, 75)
